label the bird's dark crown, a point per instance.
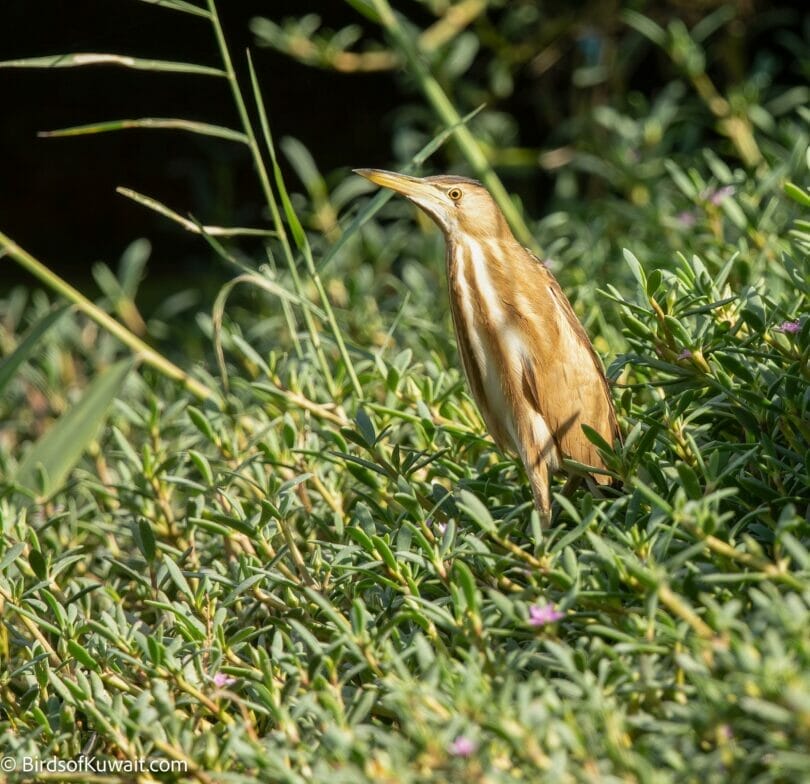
(452, 179)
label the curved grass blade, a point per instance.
(171, 123)
(55, 454)
(436, 96)
(299, 235)
(264, 179)
(163, 365)
(180, 5)
(255, 280)
(189, 225)
(28, 345)
(376, 203)
(79, 59)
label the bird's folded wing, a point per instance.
(567, 386)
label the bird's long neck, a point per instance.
(482, 275)
(478, 301)
(469, 281)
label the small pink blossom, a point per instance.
(685, 354)
(789, 326)
(221, 680)
(463, 746)
(687, 218)
(718, 195)
(442, 528)
(541, 614)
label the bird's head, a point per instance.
(460, 206)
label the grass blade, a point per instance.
(172, 123)
(300, 237)
(27, 345)
(79, 59)
(264, 179)
(62, 287)
(180, 5)
(377, 202)
(55, 454)
(189, 225)
(448, 114)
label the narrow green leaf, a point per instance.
(467, 581)
(200, 421)
(11, 555)
(203, 466)
(596, 439)
(365, 8)
(180, 5)
(79, 59)
(177, 577)
(385, 553)
(685, 185)
(290, 484)
(690, 481)
(799, 195)
(634, 325)
(150, 123)
(476, 509)
(37, 564)
(82, 655)
(644, 25)
(190, 225)
(376, 204)
(132, 265)
(366, 427)
(636, 269)
(145, 539)
(57, 452)
(360, 461)
(653, 282)
(28, 345)
(678, 331)
(307, 637)
(305, 167)
(361, 537)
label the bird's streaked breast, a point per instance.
(473, 341)
(493, 350)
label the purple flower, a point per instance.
(221, 680)
(685, 354)
(540, 615)
(726, 732)
(718, 195)
(722, 194)
(463, 746)
(687, 218)
(789, 326)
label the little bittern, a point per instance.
(532, 370)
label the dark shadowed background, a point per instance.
(57, 196)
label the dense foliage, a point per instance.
(307, 563)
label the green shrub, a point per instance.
(306, 563)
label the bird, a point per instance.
(530, 365)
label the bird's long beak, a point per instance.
(401, 183)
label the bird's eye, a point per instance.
(454, 193)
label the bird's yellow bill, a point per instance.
(401, 183)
